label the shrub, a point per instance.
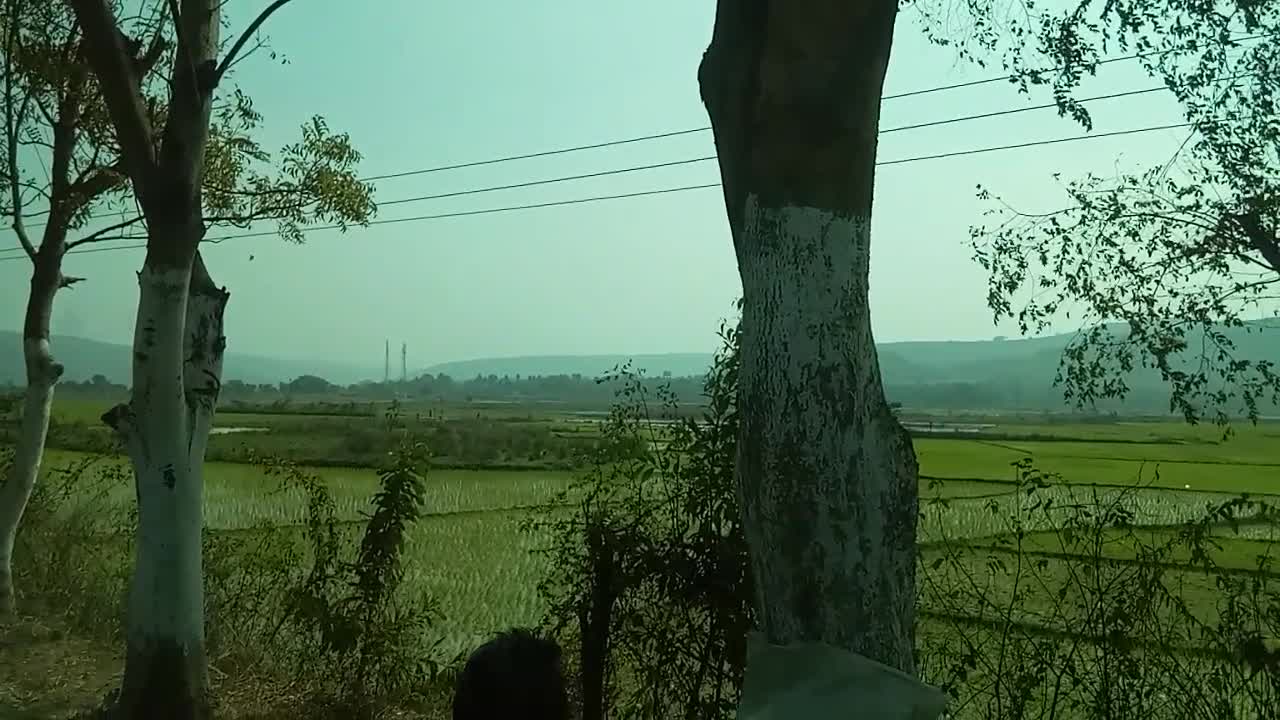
(649, 577)
(1074, 602)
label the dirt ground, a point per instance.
(46, 674)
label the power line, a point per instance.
(704, 128)
(645, 193)
(707, 158)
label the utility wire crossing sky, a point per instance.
(627, 276)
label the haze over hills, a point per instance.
(995, 374)
(84, 358)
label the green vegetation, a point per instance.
(1014, 375)
(472, 562)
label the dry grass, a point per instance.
(46, 673)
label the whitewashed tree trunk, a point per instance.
(826, 473)
(177, 373)
(37, 407)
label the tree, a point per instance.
(43, 81)
(307, 385)
(1180, 255)
(826, 474)
(189, 165)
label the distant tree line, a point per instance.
(576, 389)
(586, 391)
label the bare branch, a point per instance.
(104, 234)
(66, 281)
(40, 191)
(13, 127)
(115, 69)
(145, 63)
(40, 143)
(45, 112)
(244, 37)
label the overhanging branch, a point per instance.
(244, 37)
(105, 233)
(90, 185)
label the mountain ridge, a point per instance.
(997, 373)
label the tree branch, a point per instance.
(244, 37)
(46, 114)
(115, 69)
(1263, 241)
(101, 235)
(186, 131)
(145, 63)
(92, 184)
(278, 212)
(13, 127)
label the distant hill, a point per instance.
(900, 363)
(988, 374)
(994, 374)
(678, 364)
(85, 358)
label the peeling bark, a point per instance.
(178, 350)
(826, 475)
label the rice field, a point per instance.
(468, 553)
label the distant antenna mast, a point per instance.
(404, 362)
(386, 362)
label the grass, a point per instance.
(469, 555)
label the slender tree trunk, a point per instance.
(826, 475)
(177, 366)
(42, 375)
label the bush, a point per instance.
(650, 580)
(1071, 605)
(319, 615)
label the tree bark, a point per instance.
(178, 345)
(827, 477)
(178, 350)
(42, 374)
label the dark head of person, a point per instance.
(515, 676)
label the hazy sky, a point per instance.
(419, 84)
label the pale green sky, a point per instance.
(419, 84)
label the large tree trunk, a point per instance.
(37, 406)
(826, 475)
(178, 350)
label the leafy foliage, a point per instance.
(1076, 609)
(311, 181)
(359, 623)
(649, 574)
(1179, 256)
